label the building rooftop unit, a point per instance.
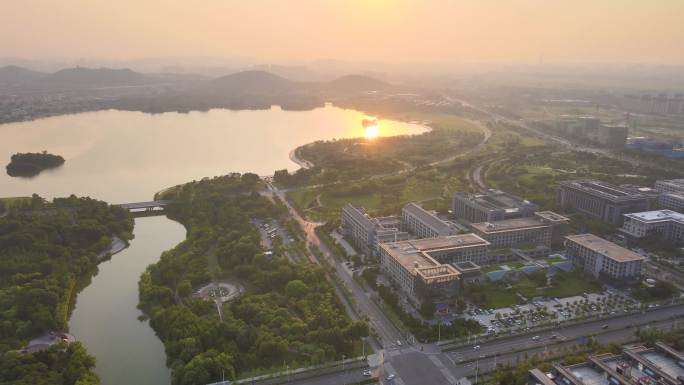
(604, 247)
(515, 224)
(603, 189)
(657, 216)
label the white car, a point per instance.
(367, 373)
(390, 377)
(476, 347)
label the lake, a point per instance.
(122, 156)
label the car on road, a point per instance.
(390, 377)
(367, 373)
(535, 338)
(476, 347)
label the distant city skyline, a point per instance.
(299, 31)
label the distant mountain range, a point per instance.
(95, 77)
(254, 82)
(19, 75)
(262, 82)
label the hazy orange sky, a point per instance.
(648, 31)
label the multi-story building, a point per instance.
(602, 258)
(591, 128)
(366, 232)
(612, 135)
(602, 200)
(418, 275)
(660, 104)
(425, 224)
(422, 267)
(672, 201)
(670, 186)
(664, 224)
(538, 230)
(640, 365)
(490, 206)
(559, 225)
(514, 232)
(671, 194)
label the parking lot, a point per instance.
(554, 310)
(269, 230)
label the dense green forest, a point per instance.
(31, 164)
(48, 252)
(288, 314)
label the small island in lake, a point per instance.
(31, 164)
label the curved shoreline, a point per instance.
(301, 162)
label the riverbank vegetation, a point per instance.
(288, 313)
(48, 251)
(31, 164)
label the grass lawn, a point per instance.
(515, 265)
(571, 284)
(489, 269)
(551, 260)
(526, 287)
(498, 297)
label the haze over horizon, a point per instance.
(435, 31)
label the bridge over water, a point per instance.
(145, 208)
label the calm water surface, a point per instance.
(122, 157)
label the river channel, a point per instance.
(122, 156)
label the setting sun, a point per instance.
(372, 132)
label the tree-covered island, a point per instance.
(32, 163)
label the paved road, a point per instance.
(431, 366)
(388, 333)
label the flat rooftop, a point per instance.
(604, 247)
(614, 361)
(674, 182)
(418, 262)
(515, 224)
(497, 200)
(428, 217)
(665, 363)
(449, 242)
(603, 189)
(657, 216)
(541, 377)
(552, 216)
(588, 375)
